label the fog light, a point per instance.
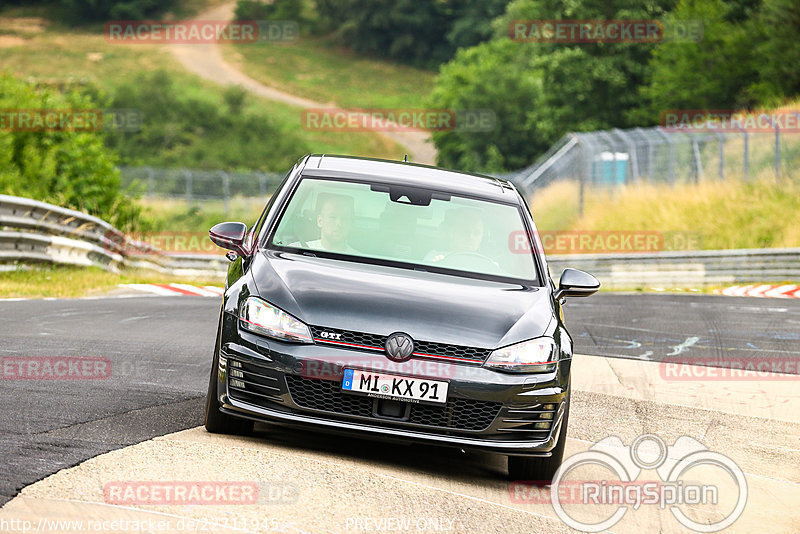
(239, 374)
(234, 363)
(239, 384)
(548, 415)
(549, 407)
(542, 426)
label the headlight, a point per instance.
(262, 318)
(533, 356)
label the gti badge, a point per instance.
(399, 347)
(330, 335)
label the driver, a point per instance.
(334, 220)
(464, 230)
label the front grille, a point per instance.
(251, 383)
(326, 396)
(375, 342)
(536, 419)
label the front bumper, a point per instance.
(299, 385)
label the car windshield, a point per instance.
(420, 227)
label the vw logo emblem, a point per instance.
(399, 347)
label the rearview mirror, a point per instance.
(230, 236)
(575, 283)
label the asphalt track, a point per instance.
(159, 350)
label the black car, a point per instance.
(398, 301)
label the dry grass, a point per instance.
(714, 214)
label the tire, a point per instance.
(540, 471)
(217, 422)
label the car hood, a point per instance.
(381, 300)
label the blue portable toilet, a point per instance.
(610, 168)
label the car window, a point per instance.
(401, 224)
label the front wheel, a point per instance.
(541, 470)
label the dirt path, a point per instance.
(207, 62)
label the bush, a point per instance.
(83, 11)
(274, 10)
(70, 169)
(184, 128)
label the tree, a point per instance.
(711, 73)
(778, 54)
(540, 91)
(69, 168)
(501, 76)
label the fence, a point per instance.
(656, 155)
(199, 185)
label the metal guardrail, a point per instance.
(37, 232)
(685, 268)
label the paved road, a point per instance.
(159, 349)
(686, 327)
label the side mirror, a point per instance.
(575, 283)
(230, 236)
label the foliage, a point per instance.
(540, 91)
(197, 130)
(82, 11)
(269, 10)
(420, 32)
(69, 168)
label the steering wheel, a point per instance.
(469, 254)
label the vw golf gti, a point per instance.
(397, 301)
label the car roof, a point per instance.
(411, 174)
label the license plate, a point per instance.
(403, 388)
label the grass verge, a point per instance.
(61, 281)
(48, 54)
(317, 69)
(711, 215)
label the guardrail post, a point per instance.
(698, 165)
(777, 152)
(746, 162)
(188, 175)
(226, 191)
(150, 185)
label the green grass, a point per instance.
(70, 282)
(45, 53)
(317, 69)
(182, 216)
